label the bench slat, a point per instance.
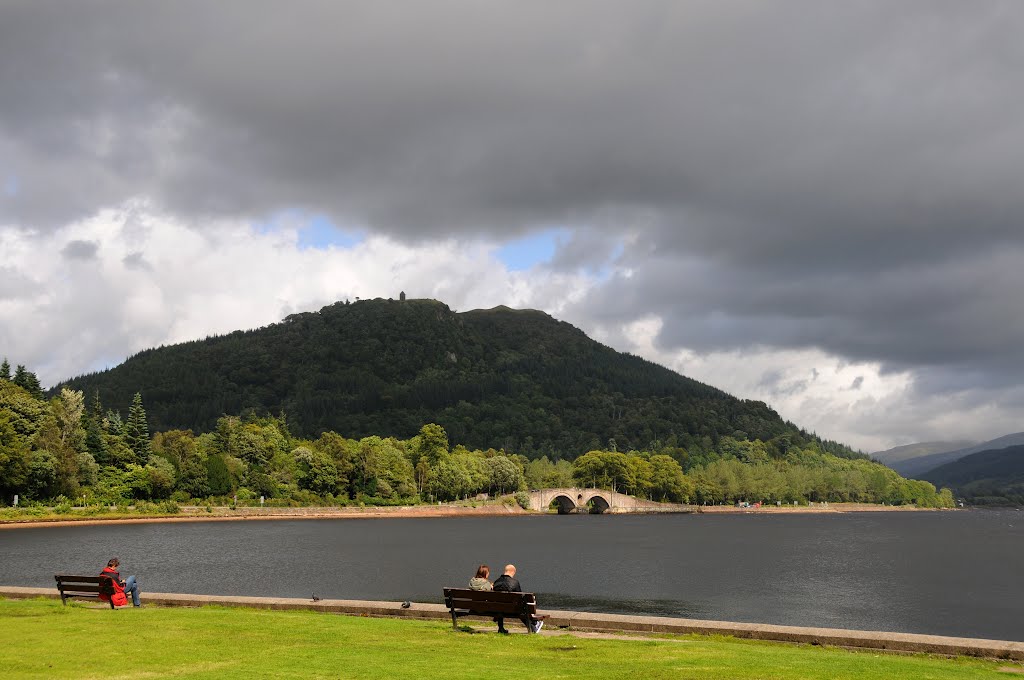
(486, 608)
(62, 578)
(486, 595)
(86, 589)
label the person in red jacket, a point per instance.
(129, 585)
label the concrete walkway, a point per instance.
(608, 623)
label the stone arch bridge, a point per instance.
(575, 500)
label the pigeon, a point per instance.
(315, 598)
(406, 604)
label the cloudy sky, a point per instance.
(816, 204)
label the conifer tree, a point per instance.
(26, 379)
(93, 424)
(5, 370)
(136, 430)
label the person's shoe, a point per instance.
(540, 624)
(503, 631)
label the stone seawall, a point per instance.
(587, 621)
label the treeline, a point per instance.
(743, 471)
(501, 379)
(65, 449)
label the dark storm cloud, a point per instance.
(80, 250)
(792, 174)
(137, 260)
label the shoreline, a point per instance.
(224, 514)
(830, 508)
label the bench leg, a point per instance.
(455, 620)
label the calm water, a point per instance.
(942, 573)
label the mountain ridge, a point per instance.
(502, 378)
(990, 477)
(918, 449)
(915, 467)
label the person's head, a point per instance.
(510, 570)
(483, 571)
(113, 562)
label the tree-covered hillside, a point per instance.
(514, 380)
(986, 478)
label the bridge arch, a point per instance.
(564, 504)
(598, 505)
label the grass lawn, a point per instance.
(43, 639)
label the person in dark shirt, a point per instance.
(508, 583)
(129, 585)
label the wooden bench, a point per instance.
(84, 586)
(489, 604)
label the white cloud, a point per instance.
(157, 280)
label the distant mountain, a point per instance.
(902, 453)
(917, 467)
(502, 378)
(988, 477)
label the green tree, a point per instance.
(42, 476)
(591, 469)
(161, 476)
(136, 478)
(505, 474)
(14, 459)
(28, 381)
(218, 475)
(88, 469)
(136, 430)
(5, 370)
(62, 436)
(641, 475)
(448, 480)
(342, 452)
(26, 413)
(317, 471)
(92, 421)
(667, 480)
(433, 443)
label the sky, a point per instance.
(815, 204)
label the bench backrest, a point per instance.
(84, 584)
(491, 602)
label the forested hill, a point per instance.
(501, 378)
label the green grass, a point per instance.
(41, 638)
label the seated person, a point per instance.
(480, 582)
(508, 583)
(127, 586)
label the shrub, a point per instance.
(523, 499)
